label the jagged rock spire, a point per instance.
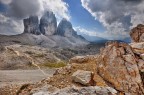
(31, 25)
(48, 23)
(65, 28)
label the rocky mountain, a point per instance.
(31, 25)
(65, 29)
(45, 33)
(48, 24)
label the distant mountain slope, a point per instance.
(42, 40)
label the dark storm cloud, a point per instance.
(132, 0)
(118, 16)
(23, 8)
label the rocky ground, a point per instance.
(18, 56)
(25, 57)
(117, 70)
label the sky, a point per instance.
(105, 19)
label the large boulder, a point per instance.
(137, 33)
(138, 48)
(48, 23)
(118, 66)
(31, 25)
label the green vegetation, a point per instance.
(54, 64)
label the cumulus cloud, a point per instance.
(23, 8)
(5, 1)
(117, 16)
(59, 7)
(17, 10)
(105, 35)
(9, 26)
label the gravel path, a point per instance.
(8, 77)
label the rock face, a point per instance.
(48, 24)
(119, 67)
(137, 34)
(95, 90)
(138, 48)
(31, 25)
(65, 29)
(83, 77)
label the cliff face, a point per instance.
(48, 24)
(49, 34)
(119, 66)
(65, 29)
(31, 25)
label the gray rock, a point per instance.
(83, 77)
(92, 90)
(48, 23)
(31, 25)
(65, 28)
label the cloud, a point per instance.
(117, 16)
(105, 35)
(9, 26)
(17, 10)
(23, 8)
(59, 7)
(5, 1)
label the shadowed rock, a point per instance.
(65, 28)
(118, 67)
(31, 25)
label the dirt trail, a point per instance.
(8, 77)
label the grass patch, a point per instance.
(54, 64)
